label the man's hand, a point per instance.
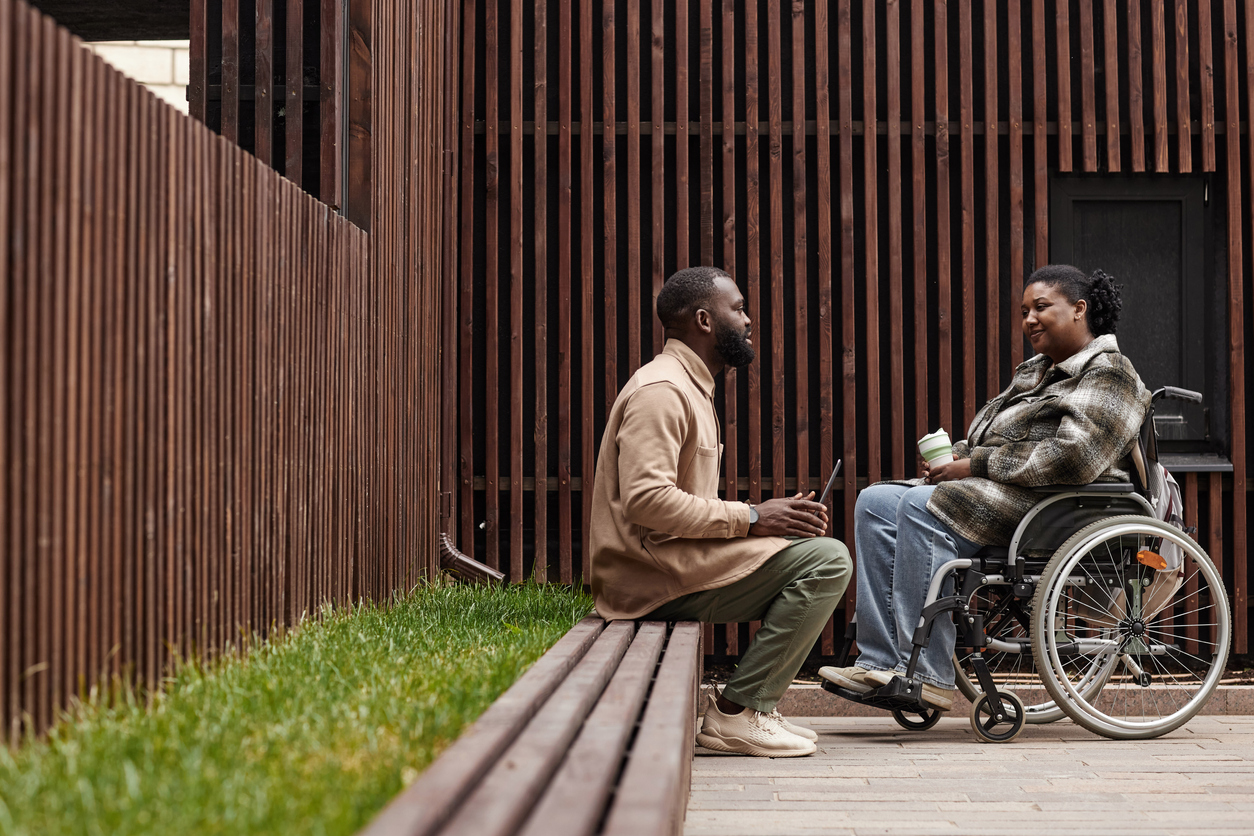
(957, 469)
(799, 516)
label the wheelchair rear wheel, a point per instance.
(1156, 640)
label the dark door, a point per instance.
(1149, 234)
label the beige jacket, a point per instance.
(659, 530)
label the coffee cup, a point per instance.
(936, 448)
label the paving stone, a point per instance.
(871, 778)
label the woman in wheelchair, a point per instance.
(1069, 417)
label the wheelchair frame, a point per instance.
(998, 714)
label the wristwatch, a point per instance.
(753, 515)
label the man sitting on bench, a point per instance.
(665, 547)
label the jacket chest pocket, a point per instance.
(1017, 421)
(702, 476)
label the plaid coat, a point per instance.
(1069, 424)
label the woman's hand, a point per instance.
(957, 469)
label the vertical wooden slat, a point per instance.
(564, 548)
(20, 641)
(1215, 520)
(1136, 96)
(848, 310)
(775, 180)
(943, 312)
(1014, 81)
(727, 71)
(705, 95)
(263, 101)
(1088, 95)
(197, 66)
(1040, 159)
(1110, 28)
(871, 280)
(918, 193)
(540, 208)
(753, 239)
(823, 184)
(230, 69)
(492, 304)
(801, 308)
(449, 358)
(1190, 587)
(609, 144)
(1236, 308)
(635, 278)
(9, 656)
(56, 155)
(1158, 61)
(967, 150)
(657, 160)
(683, 219)
(294, 87)
(587, 432)
(1062, 41)
(1184, 131)
(359, 174)
(516, 280)
(896, 305)
(1206, 62)
(992, 215)
(330, 109)
(465, 304)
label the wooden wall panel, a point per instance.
(213, 425)
(858, 257)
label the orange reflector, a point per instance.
(1151, 559)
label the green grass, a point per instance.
(313, 733)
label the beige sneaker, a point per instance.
(853, 678)
(938, 698)
(750, 733)
(800, 731)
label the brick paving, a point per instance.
(872, 777)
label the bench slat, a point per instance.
(502, 800)
(429, 802)
(575, 799)
(654, 786)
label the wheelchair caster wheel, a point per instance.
(916, 719)
(1000, 728)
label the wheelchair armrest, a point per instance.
(1096, 487)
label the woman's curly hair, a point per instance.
(1099, 290)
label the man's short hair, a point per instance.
(686, 292)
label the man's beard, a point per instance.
(733, 346)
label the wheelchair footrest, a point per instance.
(896, 695)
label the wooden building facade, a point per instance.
(880, 178)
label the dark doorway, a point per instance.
(1151, 234)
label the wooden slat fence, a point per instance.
(811, 151)
(221, 400)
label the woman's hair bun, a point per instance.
(1105, 303)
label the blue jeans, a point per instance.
(900, 545)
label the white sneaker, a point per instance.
(750, 733)
(800, 731)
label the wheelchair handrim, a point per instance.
(1206, 568)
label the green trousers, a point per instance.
(793, 594)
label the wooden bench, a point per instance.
(596, 738)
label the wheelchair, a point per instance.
(1081, 612)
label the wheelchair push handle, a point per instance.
(1177, 393)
